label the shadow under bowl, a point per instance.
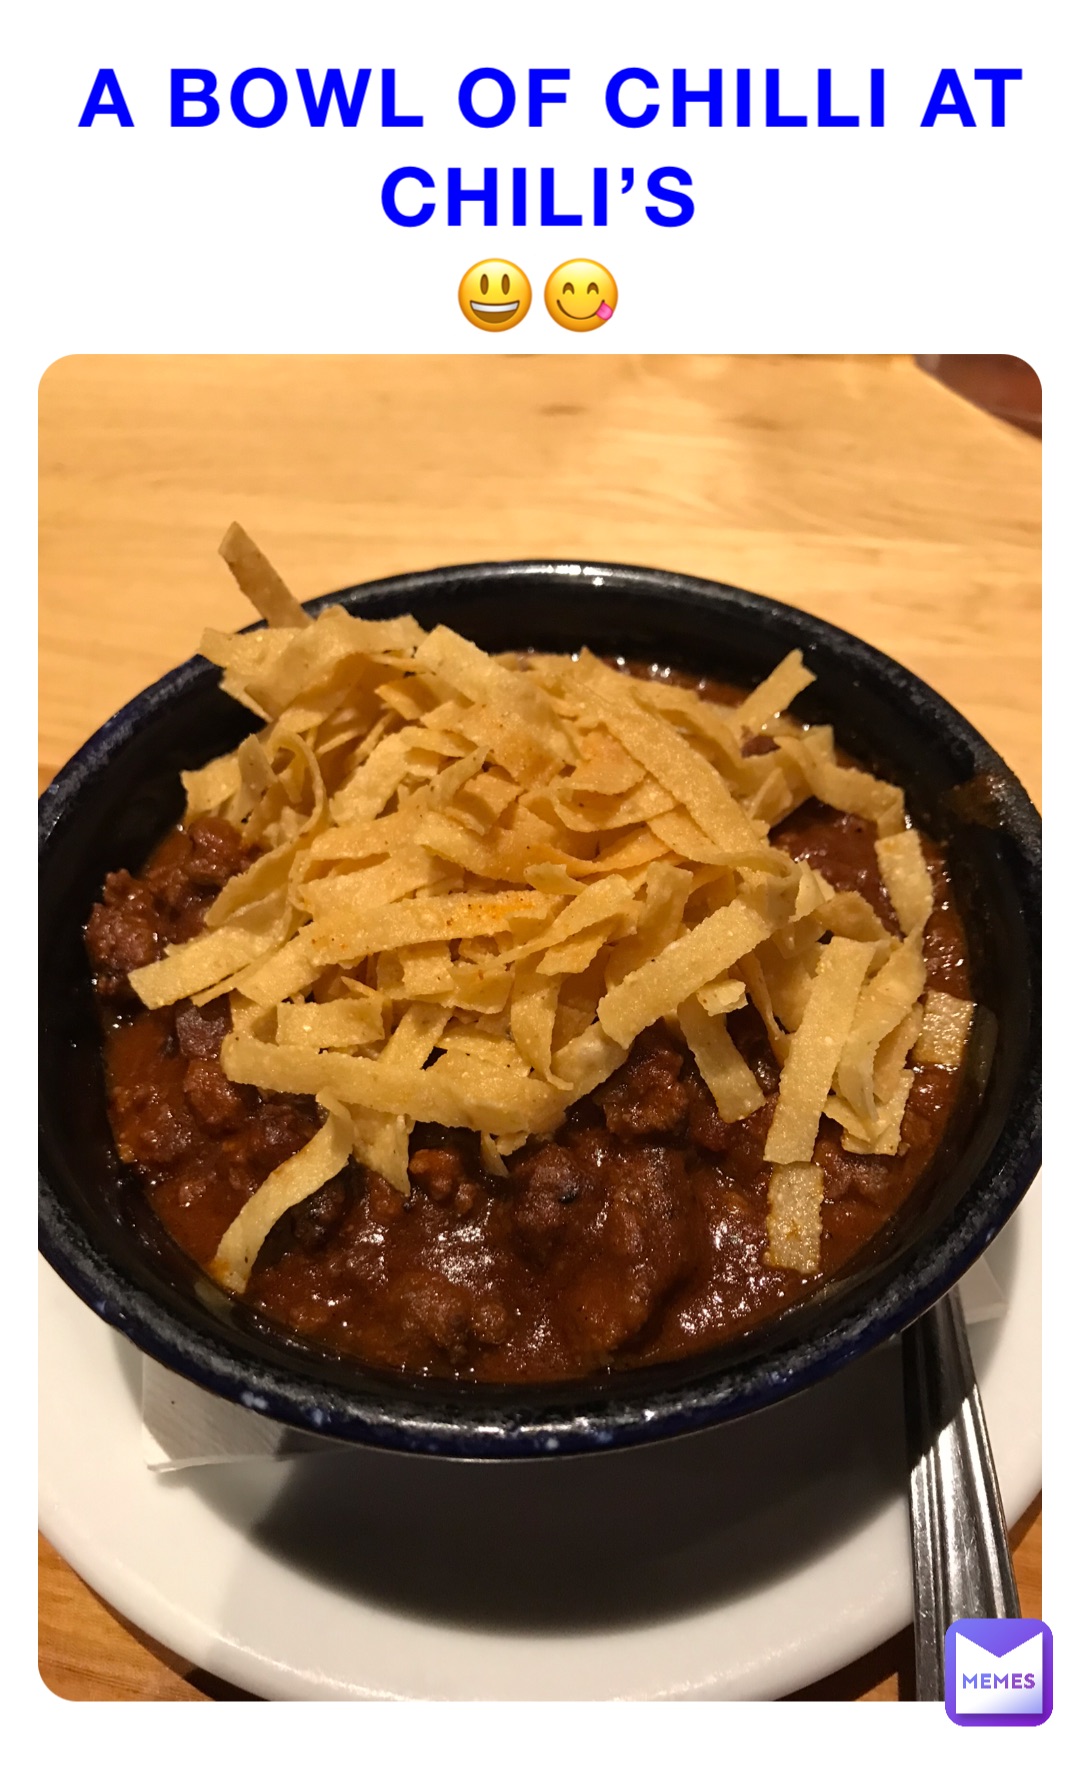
(115, 799)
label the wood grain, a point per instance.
(857, 488)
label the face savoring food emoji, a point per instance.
(494, 295)
(581, 295)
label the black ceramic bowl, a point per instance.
(116, 798)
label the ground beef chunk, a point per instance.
(646, 1097)
(740, 1146)
(277, 1130)
(385, 1203)
(157, 1130)
(439, 1171)
(551, 1194)
(217, 853)
(313, 1222)
(842, 1171)
(137, 917)
(841, 847)
(200, 1031)
(188, 871)
(760, 744)
(450, 1317)
(647, 1234)
(124, 931)
(216, 1102)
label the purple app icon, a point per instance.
(999, 1672)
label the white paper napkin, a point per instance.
(183, 1425)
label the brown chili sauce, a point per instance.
(636, 1234)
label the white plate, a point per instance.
(743, 1562)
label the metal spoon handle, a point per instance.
(962, 1564)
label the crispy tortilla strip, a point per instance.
(416, 1035)
(490, 1158)
(588, 1060)
(209, 789)
(691, 714)
(378, 777)
(507, 855)
(751, 971)
(773, 894)
(774, 695)
(848, 789)
(660, 920)
(488, 1045)
(361, 841)
(478, 989)
(426, 968)
(945, 1030)
(452, 1091)
(678, 830)
(195, 965)
(590, 812)
(627, 852)
(882, 1136)
(578, 952)
(532, 1018)
(244, 655)
(812, 893)
(289, 1184)
(484, 799)
(849, 914)
(474, 674)
(385, 883)
(883, 1003)
(501, 732)
(796, 1192)
(508, 1142)
(724, 997)
(381, 1143)
(726, 1075)
(600, 901)
(774, 798)
(605, 767)
(902, 865)
(251, 1017)
(323, 1026)
(277, 795)
(336, 647)
(692, 781)
(551, 876)
(269, 874)
(451, 781)
(894, 1052)
(344, 940)
(410, 699)
(696, 958)
(789, 980)
(264, 589)
(306, 679)
(815, 1051)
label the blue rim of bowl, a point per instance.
(480, 1421)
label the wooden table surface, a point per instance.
(857, 488)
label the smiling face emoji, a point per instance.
(494, 295)
(580, 295)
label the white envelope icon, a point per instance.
(998, 1684)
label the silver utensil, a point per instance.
(961, 1561)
